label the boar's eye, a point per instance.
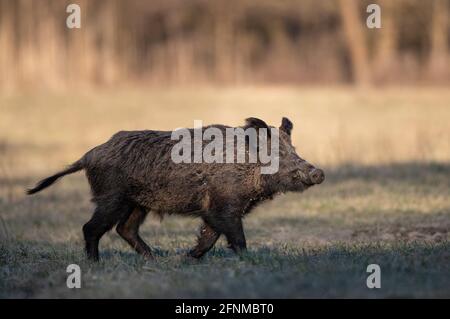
(298, 174)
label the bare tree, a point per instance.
(386, 58)
(356, 41)
(7, 44)
(438, 65)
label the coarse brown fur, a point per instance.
(133, 174)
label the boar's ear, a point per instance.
(257, 124)
(286, 125)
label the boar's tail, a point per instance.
(46, 182)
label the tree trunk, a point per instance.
(438, 65)
(385, 59)
(356, 41)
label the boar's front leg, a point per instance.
(206, 241)
(234, 231)
(231, 226)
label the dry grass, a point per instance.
(386, 199)
(332, 126)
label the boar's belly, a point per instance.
(169, 200)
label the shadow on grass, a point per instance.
(339, 270)
(22, 250)
(411, 172)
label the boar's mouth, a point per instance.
(301, 186)
(301, 182)
(306, 185)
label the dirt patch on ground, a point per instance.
(410, 234)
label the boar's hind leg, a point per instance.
(128, 229)
(206, 241)
(106, 215)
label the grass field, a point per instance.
(386, 198)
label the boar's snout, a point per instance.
(308, 175)
(316, 176)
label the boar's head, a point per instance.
(294, 174)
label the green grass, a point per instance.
(315, 244)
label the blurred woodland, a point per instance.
(226, 42)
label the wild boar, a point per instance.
(134, 173)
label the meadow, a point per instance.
(385, 200)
